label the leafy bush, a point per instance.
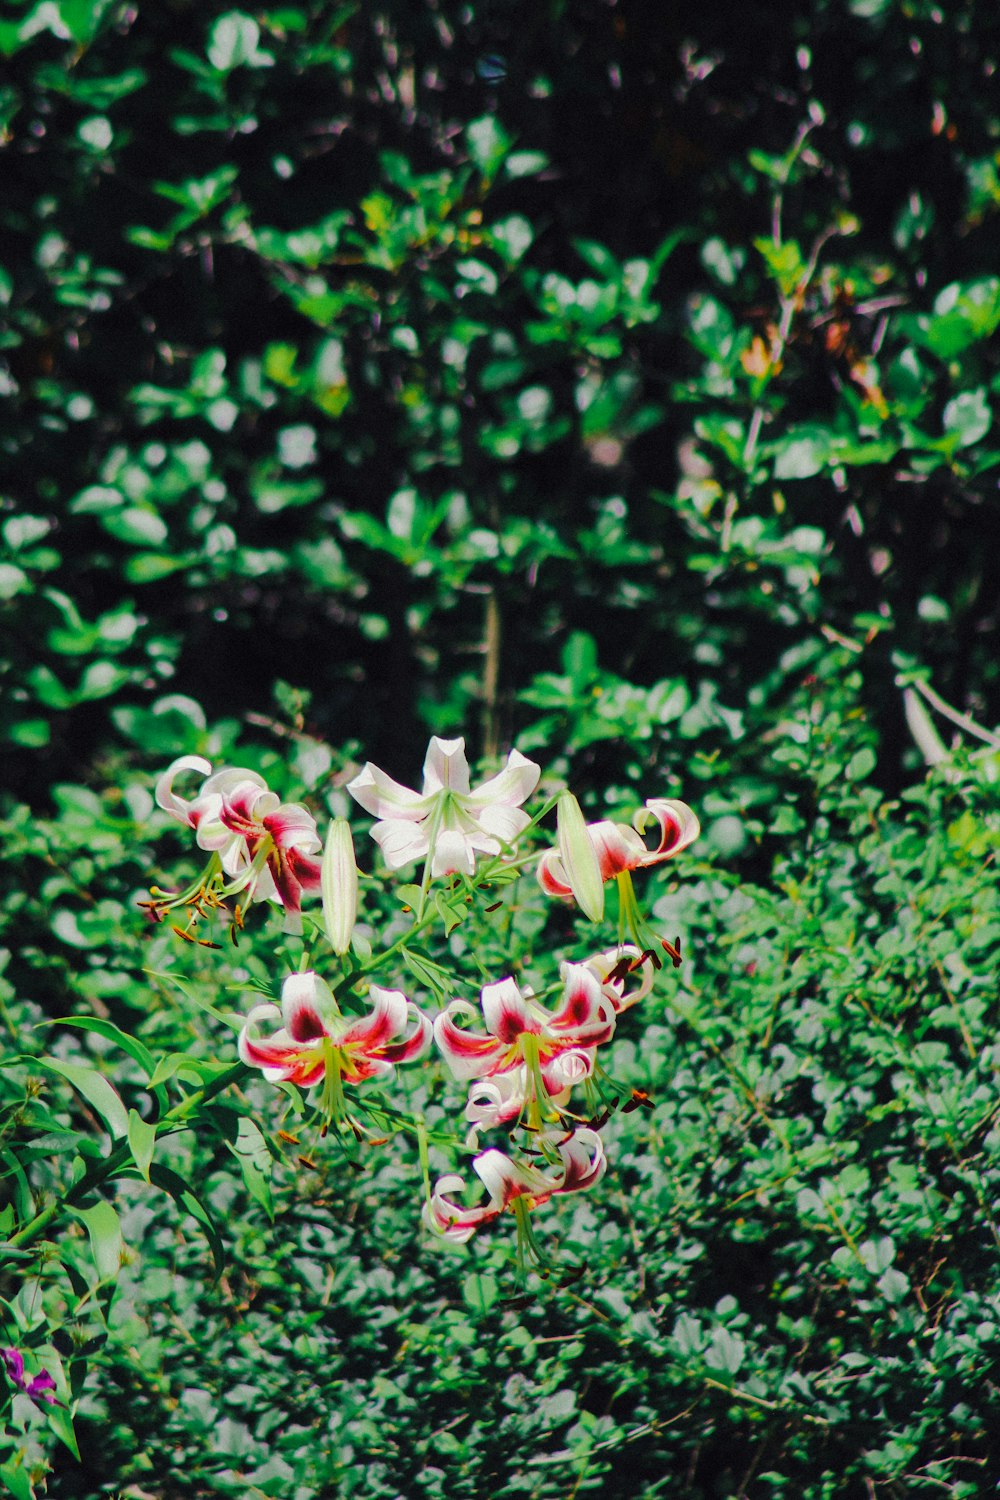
(593, 378)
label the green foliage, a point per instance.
(583, 376)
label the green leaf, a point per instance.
(967, 418)
(99, 1093)
(137, 1050)
(487, 143)
(105, 1231)
(801, 457)
(861, 764)
(15, 1480)
(141, 1140)
(251, 1151)
(232, 41)
(185, 1198)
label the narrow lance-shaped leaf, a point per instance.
(97, 1091)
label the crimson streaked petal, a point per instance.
(617, 846)
(624, 963)
(306, 869)
(387, 1019)
(552, 876)
(505, 1180)
(566, 1069)
(583, 1159)
(506, 1012)
(293, 827)
(450, 1219)
(468, 1054)
(308, 1007)
(678, 825)
(497, 1101)
(416, 1044)
(584, 1006)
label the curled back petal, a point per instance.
(450, 1219)
(583, 1159)
(468, 1054)
(586, 1012)
(552, 876)
(373, 1032)
(623, 963)
(414, 1045)
(567, 1068)
(498, 1100)
(678, 825)
(167, 798)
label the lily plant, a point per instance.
(539, 1054)
(575, 1163)
(267, 847)
(520, 1057)
(448, 822)
(589, 855)
(316, 1044)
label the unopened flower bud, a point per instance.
(579, 858)
(339, 885)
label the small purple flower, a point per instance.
(40, 1388)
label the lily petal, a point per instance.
(506, 1012)
(678, 825)
(445, 767)
(510, 786)
(379, 795)
(166, 797)
(623, 962)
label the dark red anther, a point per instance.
(673, 951)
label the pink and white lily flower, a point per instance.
(582, 1163)
(615, 967)
(447, 819)
(315, 1043)
(498, 1100)
(546, 1052)
(620, 848)
(270, 847)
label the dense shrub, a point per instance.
(607, 378)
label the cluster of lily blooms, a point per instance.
(520, 1059)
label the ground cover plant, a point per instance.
(604, 389)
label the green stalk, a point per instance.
(121, 1154)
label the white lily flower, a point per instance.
(447, 818)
